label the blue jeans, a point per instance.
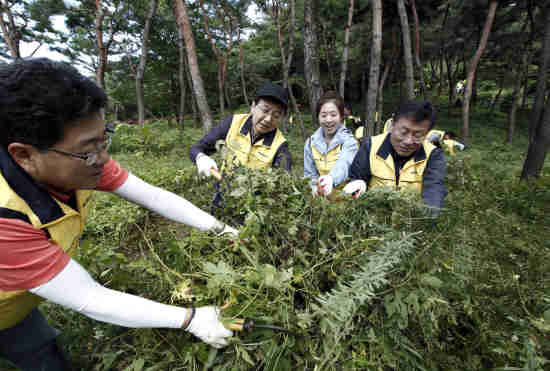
(31, 345)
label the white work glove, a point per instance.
(207, 326)
(325, 185)
(355, 188)
(204, 164)
(314, 190)
(228, 229)
(221, 228)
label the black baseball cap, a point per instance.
(274, 91)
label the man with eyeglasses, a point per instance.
(402, 158)
(53, 154)
(253, 139)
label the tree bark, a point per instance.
(102, 50)
(143, 62)
(407, 53)
(346, 49)
(374, 74)
(516, 99)
(243, 83)
(185, 31)
(387, 69)
(417, 49)
(311, 55)
(472, 70)
(538, 149)
(538, 107)
(10, 32)
(496, 97)
(182, 83)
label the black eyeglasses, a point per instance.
(90, 158)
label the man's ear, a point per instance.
(25, 155)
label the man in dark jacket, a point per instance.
(402, 158)
(251, 139)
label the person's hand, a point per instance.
(207, 326)
(460, 146)
(325, 185)
(355, 188)
(204, 164)
(314, 190)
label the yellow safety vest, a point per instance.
(447, 144)
(325, 163)
(23, 199)
(259, 155)
(383, 168)
(450, 146)
(359, 133)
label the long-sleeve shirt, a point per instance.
(207, 144)
(339, 171)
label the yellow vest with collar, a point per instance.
(383, 170)
(325, 163)
(243, 152)
(450, 146)
(63, 226)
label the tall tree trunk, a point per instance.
(374, 74)
(387, 69)
(102, 50)
(243, 83)
(185, 31)
(494, 101)
(10, 32)
(407, 53)
(311, 55)
(182, 83)
(472, 70)
(516, 98)
(450, 80)
(417, 49)
(540, 96)
(346, 49)
(522, 70)
(327, 46)
(143, 61)
(442, 52)
(286, 59)
(192, 97)
(538, 148)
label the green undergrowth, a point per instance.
(372, 283)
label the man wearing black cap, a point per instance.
(252, 139)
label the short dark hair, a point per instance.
(40, 98)
(417, 111)
(451, 134)
(333, 97)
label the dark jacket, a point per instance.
(433, 179)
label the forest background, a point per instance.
(372, 284)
